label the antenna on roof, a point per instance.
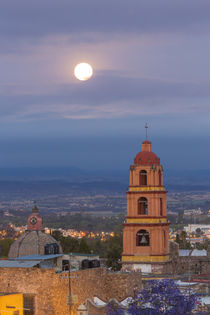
(146, 127)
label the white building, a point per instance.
(193, 227)
(192, 212)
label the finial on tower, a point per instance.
(146, 127)
(35, 208)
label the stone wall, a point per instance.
(51, 289)
(99, 310)
(121, 285)
(194, 264)
(184, 264)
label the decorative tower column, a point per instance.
(146, 231)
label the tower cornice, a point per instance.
(147, 191)
(146, 220)
(146, 224)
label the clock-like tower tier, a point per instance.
(34, 221)
(146, 230)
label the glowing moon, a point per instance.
(83, 71)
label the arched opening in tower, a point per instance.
(142, 205)
(143, 178)
(142, 238)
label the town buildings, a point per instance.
(204, 228)
(55, 283)
(38, 272)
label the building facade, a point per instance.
(146, 230)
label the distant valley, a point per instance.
(69, 190)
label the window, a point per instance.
(161, 207)
(160, 178)
(143, 178)
(51, 249)
(142, 238)
(28, 304)
(142, 206)
(65, 265)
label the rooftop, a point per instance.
(38, 257)
(194, 252)
(18, 264)
(82, 254)
(28, 261)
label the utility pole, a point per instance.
(69, 284)
(70, 299)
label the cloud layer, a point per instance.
(150, 60)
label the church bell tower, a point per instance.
(146, 230)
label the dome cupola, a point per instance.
(146, 156)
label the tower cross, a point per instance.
(146, 127)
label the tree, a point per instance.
(114, 252)
(159, 297)
(181, 216)
(69, 244)
(83, 247)
(4, 247)
(57, 235)
(182, 240)
(177, 239)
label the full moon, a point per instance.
(83, 71)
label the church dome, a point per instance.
(32, 243)
(146, 156)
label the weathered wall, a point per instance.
(39, 282)
(99, 310)
(96, 310)
(51, 289)
(194, 264)
(121, 285)
(184, 264)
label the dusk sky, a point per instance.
(151, 62)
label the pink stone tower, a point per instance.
(146, 231)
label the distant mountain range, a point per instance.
(62, 178)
